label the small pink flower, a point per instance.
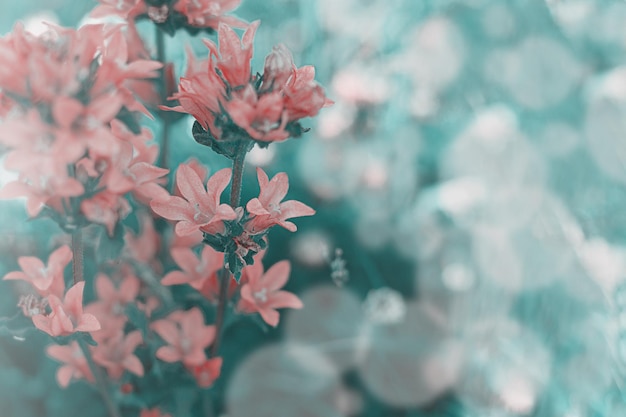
(111, 304)
(186, 335)
(207, 372)
(116, 354)
(67, 316)
(268, 210)
(209, 13)
(261, 293)
(106, 208)
(304, 97)
(74, 363)
(200, 208)
(46, 279)
(144, 246)
(195, 271)
(234, 56)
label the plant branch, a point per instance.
(165, 128)
(224, 274)
(101, 383)
(77, 255)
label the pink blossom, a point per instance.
(261, 294)
(198, 208)
(186, 335)
(268, 210)
(67, 316)
(46, 279)
(209, 13)
(304, 97)
(116, 354)
(112, 301)
(195, 271)
(106, 208)
(261, 117)
(278, 68)
(74, 363)
(144, 246)
(234, 56)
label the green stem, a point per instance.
(165, 129)
(101, 383)
(77, 274)
(77, 255)
(225, 275)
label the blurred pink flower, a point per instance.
(67, 316)
(268, 210)
(209, 13)
(46, 279)
(111, 303)
(116, 354)
(186, 335)
(74, 363)
(153, 412)
(199, 208)
(261, 293)
(194, 271)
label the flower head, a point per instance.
(195, 272)
(261, 294)
(67, 316)
(116, 354)
(46, 279)
(74, 363)
(186, 335)
(268, 209)
(198, 208)
(226, 99)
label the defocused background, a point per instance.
(469, 252)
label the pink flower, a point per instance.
(209, 13)
(74, 363)
(106, 208)
(67, 316)
(144, 246)
(261, 293)
(127, 9)
(112, 302)
(234, 56)
(46, 279)
(304, 97)
(207, 372)
(261, 117)
(200, 208)
(195, 271)
(186, 335)
(116, 354)
(267, 210)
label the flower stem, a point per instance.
(77, 255)
(165, 128)
(225, 275)
(101, 383)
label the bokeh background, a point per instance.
(468, 256)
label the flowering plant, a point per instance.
(72, 102)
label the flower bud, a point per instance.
(278, 67)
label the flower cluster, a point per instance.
(230, 104)
(73, 155)
(238, 232)
(191, 15)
